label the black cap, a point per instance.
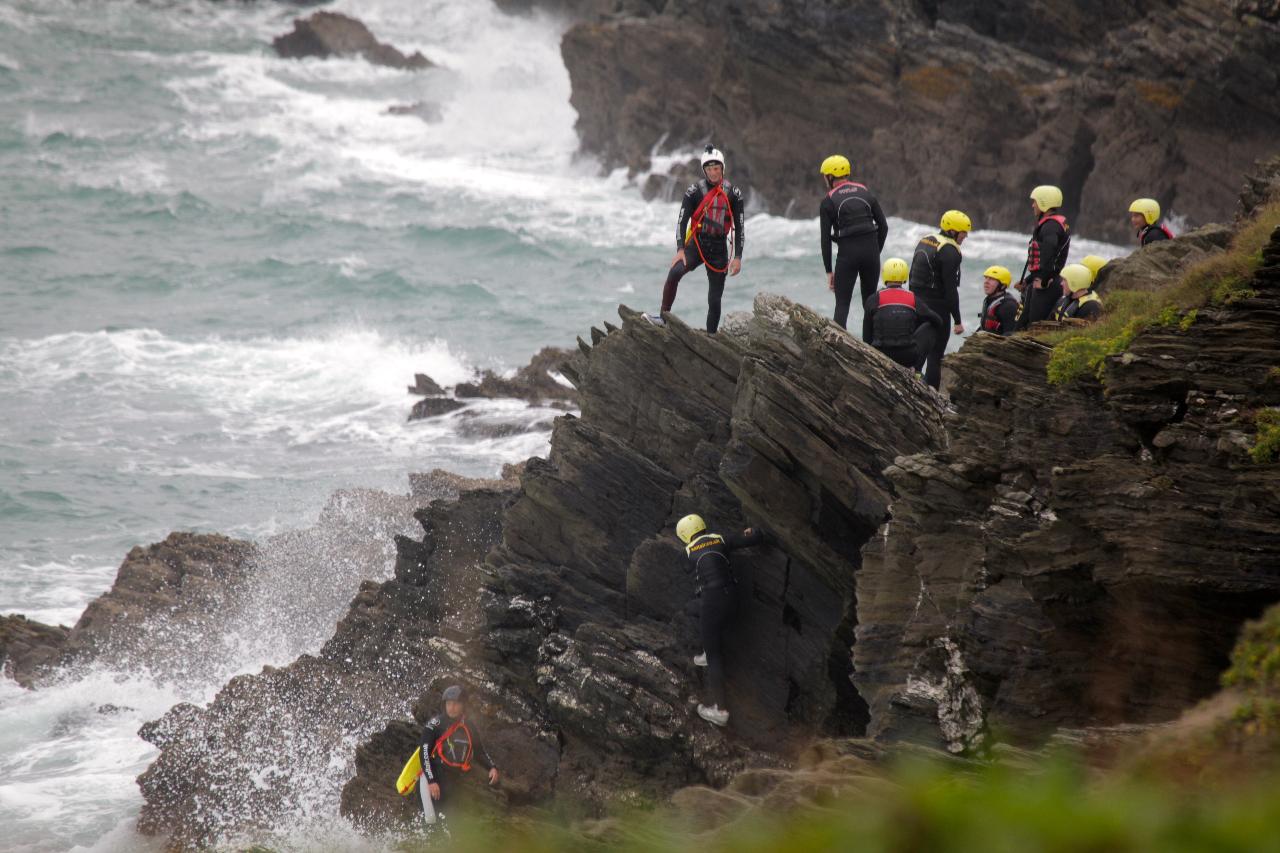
(454, 693)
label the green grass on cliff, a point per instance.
(1266, 448)
(1216, 281)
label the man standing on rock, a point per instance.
(708, 560)
(935, 280)
(449, 744)
(1046, 256)
(712, 211)
(851, 216)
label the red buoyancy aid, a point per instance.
(991, 320)
(1033, 246)
(897, 296)
(439, 749)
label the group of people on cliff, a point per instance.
(907, 320)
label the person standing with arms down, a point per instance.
(450, 742)
(708, 560)
(851, 217)
(897, 323)
(711, 212)
(935, 279)
(1046, 256)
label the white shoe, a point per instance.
(713, 715)
(700, 659)
(655, 319)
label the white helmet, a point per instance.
(711, 154)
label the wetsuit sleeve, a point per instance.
(739, 222)
(1050, 244)
(687, 206)
(928, 315)
(734, 541)
(869, 309)
(478, 751)
(882, 224)
(949, 272)
(824, 221)
(430, 734)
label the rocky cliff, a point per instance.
(940, 103)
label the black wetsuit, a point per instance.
(999, 314)
(1086, 308)
(851, 216)
(1046, 256)
(1153, 234)
(935, 278)
(708, 557)
(901, 326)
(710, 238)
(439, 766)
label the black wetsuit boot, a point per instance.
(716, 608)
(858, 259)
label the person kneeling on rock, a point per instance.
(449, 743)
(898, 323)
(708, 560)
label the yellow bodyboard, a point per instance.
(409, 775)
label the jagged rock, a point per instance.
(326, 34)
(1079, 555)
(220, 768)
(1171, 100)
(439, 484)
(28, 648)
(425, 386)
(1161, 264)
(434, 407)
(533, 382)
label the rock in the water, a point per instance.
(28, 648)
(1171, 100)
(434, 407)
(326, 34)
(533, 382)
(425, 386)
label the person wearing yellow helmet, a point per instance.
(897, 322)
(999, 309)
(1144, 216)
(711, 216)
(1046, 256)
(1094, 263)
(707, 558)
(850, 216)
(1078, 300)
(935, 279)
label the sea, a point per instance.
(219, 270)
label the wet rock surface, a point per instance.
(950, 104)
(28, 647)
(1080, 555)
(326, 34)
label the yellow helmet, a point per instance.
(689, 527)
(1148, 207)
(837, 166)
(1094, 263)
(1048, 197)
(1077, 277)
(954, 220)
(896, 269)
(1000, 274)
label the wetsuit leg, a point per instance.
(678, 271)
(717, 606)
(859, 259)
(1043, 302)
(924, 345)
(906, 356)
(933, 359)
(715, 290)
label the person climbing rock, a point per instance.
(1078, 299)
(1094, 264)
(897, 322)
(1046, 256)
(935, 279)
(850, 216)
(711, 213)
(450, 742)
(708, 560)
(1144, 216)
(999, 314)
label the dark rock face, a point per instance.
(326, 34)
(533, 382)
(220, 768)
(28, 648)
(949, 104)
(1080, 555)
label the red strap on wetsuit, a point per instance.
(700, 213)
(465, 766)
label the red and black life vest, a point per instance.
(896, 318)
(455, 747)
(1057, 262)
(991, 318)
(1152, 234)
